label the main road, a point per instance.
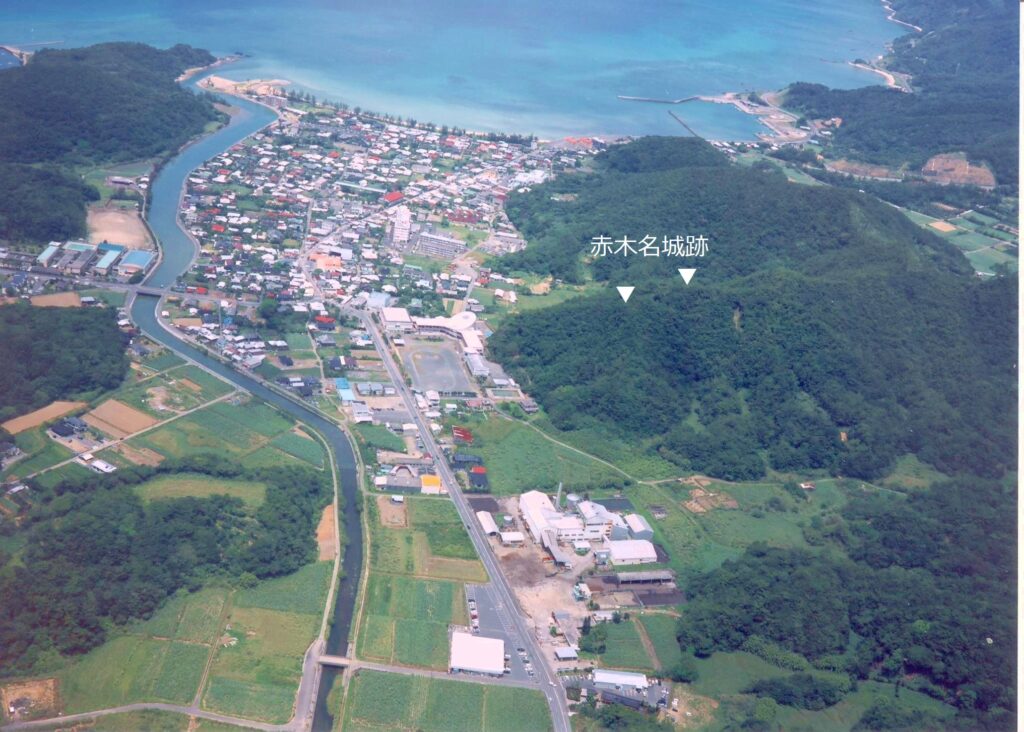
(551, 684)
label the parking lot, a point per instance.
(495, 622)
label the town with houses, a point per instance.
(331, 235)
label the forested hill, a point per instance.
(965, 75)
(823, 330)
(86, 106)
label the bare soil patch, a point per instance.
(117, 226)
(189, 384)
(38, 698)
(861, 170)
(392, 515)
(942, 226)
(40, 416)
(118, 419)
(139, 455)
(57, 300)
(956, 169)
(703, 500)
(325, 534)
(365, 353)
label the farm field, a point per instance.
(40, 416)
(382, 701)
(405, 620)
(257, 672)
(519, 459)
(378, 436)
(239, 431)
(194, 617)
(40, 452)
(191, 484)
(133, 669)
(304, 591)
(435, 544)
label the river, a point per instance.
(178, 251)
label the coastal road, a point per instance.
(550, 683)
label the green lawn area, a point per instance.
(133, 669)
(382, 701)
(985, 260)
(257, 676)
(519, 459)
(163, 361)
(194, 484)
(304, 591)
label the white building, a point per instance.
(599, 522)
(631, 551)
(477, 655)
(638, 527)
(487, 522)
(396, 320)
(512, 538)
(619, 680)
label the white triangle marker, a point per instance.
(687, 274)
(625, 292)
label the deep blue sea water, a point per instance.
(540, 66)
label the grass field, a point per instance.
(409, 551)
(187, 616)
(661, 629)
(378, 436)
(257, 675)
(151, 720)
(133, 669)
(40, 452)
(304, 448)
(519, 459)
(623, 648)
(303, 592)
(192, 484)
(382, 701)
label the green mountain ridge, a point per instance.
(823, 331)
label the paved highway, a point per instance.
(551, 685)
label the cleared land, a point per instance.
(41, 694)
(117, 226)
(382, 701)
(436, 365)
(40, 416)
(57, 300)
(117, 419)
(327, 547)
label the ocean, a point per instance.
(532, 66)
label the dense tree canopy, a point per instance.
(927, 594)
(96, 554)
(825, 330)
(965, 78)
(85, 106)
(55, 353)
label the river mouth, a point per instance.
(177, 251)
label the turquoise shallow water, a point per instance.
(549, 68)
